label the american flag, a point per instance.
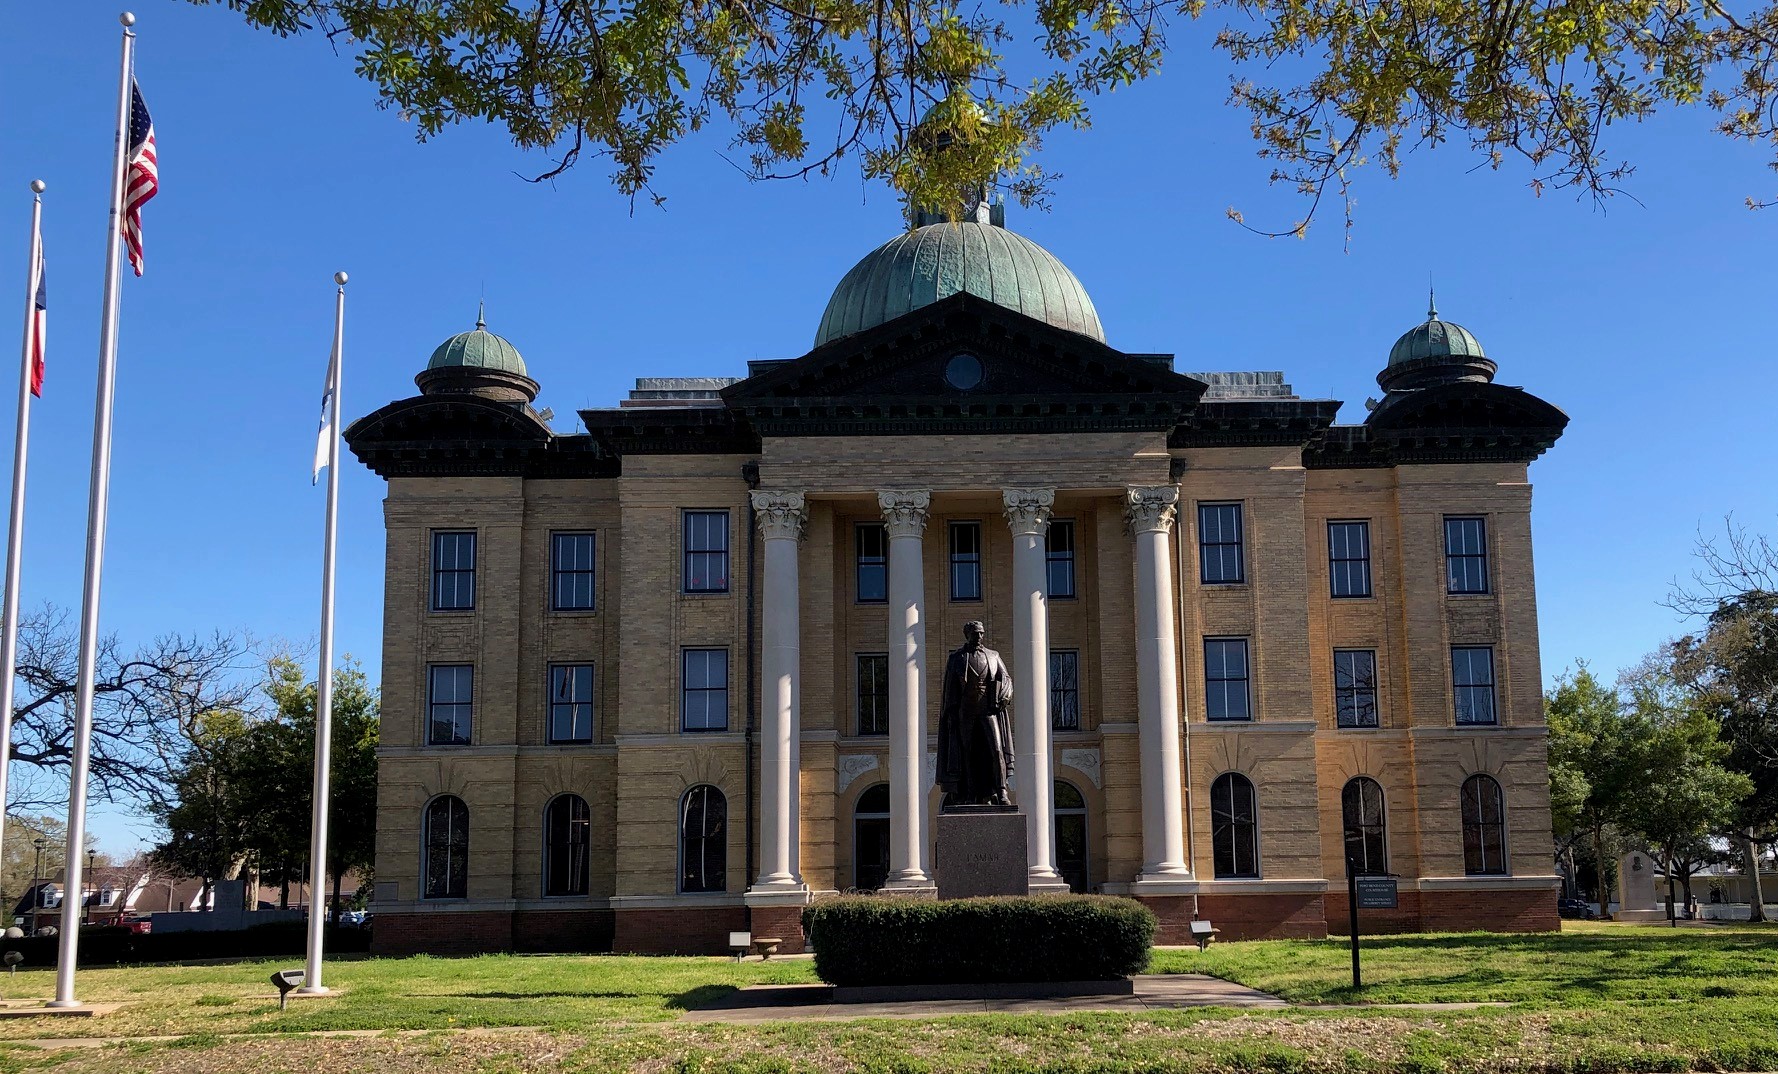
(39, 325)
(141, 175)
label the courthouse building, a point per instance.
(678, 673)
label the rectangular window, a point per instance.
(1355, 687)
(1466, 555)
(1065, 689)
(453, 570)
(1059, 551)
(571, 571)
(873, 694)
(1226, 693)
(706, 551)
(450, 692)
(703, 702)
(1220, 561)
(966, 561)
(571, 703)
(872, 541)
(1472, 677)
(1349, 558)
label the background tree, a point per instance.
(801, 84)
(1732, 663)
(1686, 794)
(21, 856)
(209, 813)
(1596, 766)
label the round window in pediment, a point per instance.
(964, 372)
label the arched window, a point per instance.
(567, 831)
(870, 838)
(1484, 827)
(1234, 827)
(703, 840)
(1071, 835)
(1361, 808)
(445, 843)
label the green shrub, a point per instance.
(875, 940)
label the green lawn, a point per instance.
(1593, 999)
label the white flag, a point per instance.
(326, 433)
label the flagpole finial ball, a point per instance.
(127, 19)
(38, 186)
(339, 278)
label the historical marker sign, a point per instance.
(1376, 892)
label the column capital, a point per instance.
(1150, 508)
(780, 513)
(1028, 510)
(904, 511)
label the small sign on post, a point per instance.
(1376, 892)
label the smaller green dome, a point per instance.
(1435, 339)
(477, 349)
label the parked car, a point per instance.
(1575, 908)
(138, 925)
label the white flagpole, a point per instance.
(98, 503)
(312, 984)
(15, 530)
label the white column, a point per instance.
(1149, 513)
(904, 517)
(781, 516)
(1028, 515)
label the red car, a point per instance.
(138, 925)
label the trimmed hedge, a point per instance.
(877, 940)
(110, 945)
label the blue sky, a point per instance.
(1645, 322)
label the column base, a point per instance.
(776, 896)
(910, 889)
(777, 885)
(1048, 887)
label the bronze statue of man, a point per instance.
(974, 728)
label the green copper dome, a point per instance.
(939, 260)
(478, 349)
(1435, 339)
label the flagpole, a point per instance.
(15, 530)
(312, 984)
(98, 504)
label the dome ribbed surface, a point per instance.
(477, 349)
(939, 260)
(1435, 339)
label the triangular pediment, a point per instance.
(964, 364)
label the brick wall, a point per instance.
(700, 931)
(783, 922)
(1240, 917)
(468, 933)
(1451, 911)
(562, 930)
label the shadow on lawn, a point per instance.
(692, 998)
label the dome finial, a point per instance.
(1431, 304)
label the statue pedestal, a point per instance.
(981, 851)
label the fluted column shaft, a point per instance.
(781, 516)
(904, 518)
(1028, 515)
(1149, 513)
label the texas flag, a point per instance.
(38, 326)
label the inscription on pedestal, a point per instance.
(981, 851)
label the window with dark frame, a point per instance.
(1349, 558)
(571, 703)
(1355, 687)
(450, 701)
(706, 552)
(1472, 683)
(966, 561)
(453, 570)
(567, 837)
(873, 693)
(1466, 555)
(445, 872)
(704, 696)
(1484, 827)
(870, 838)
(703, 840)
(571, 572)
(1065, 689)
(1059, 555)
(872, 572)
(1071, 843)
(1220, 559)
(1227, 693)
(1234, 827)
(1367, 839)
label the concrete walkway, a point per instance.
(771, 1003)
